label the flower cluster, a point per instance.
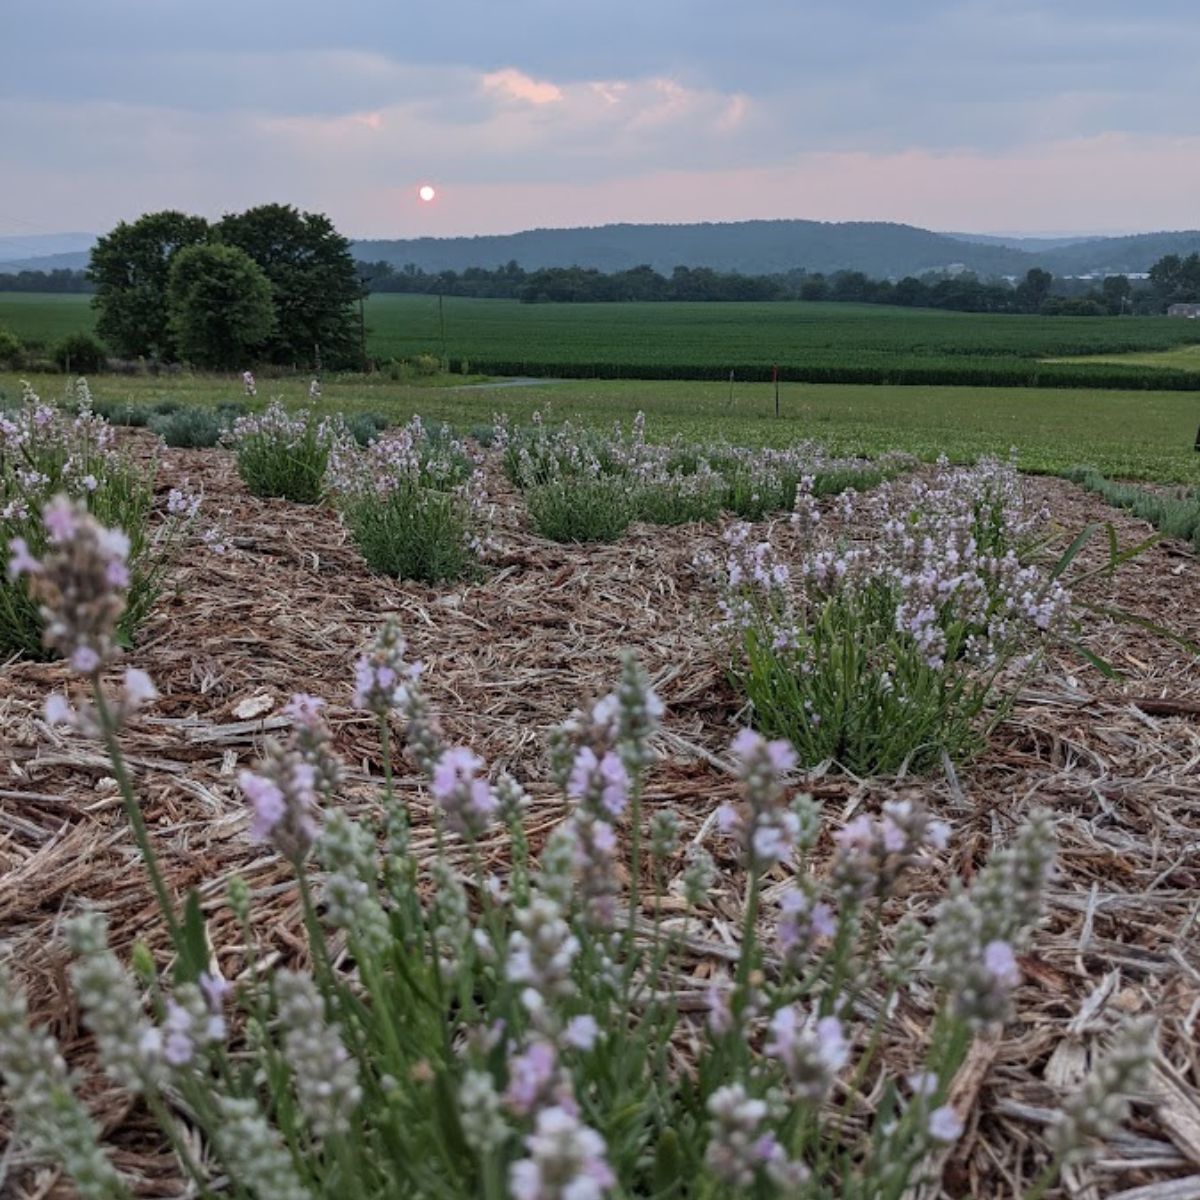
(882, 641)
(55, 469)
(416, 502)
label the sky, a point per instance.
(1066, 116)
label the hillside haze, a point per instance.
(878, 249)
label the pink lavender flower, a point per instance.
(535, 1080)
(600, 782)
(923, 1083)
(812, 1053)
(804, 920)
(594, 847)
(283, 799)
(468, 802)
(873, 853)
(581, 1032)
(21, 562)
(313, 741)
(80, 584)
(566, 1161)
(738, 1144)
(541, 951)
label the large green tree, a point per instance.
(221, 306)
(313, 276)
(130, 268)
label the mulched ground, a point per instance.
(290, 605)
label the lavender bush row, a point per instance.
(531, 1034)
(47, 450)
(583, 485)
(890, 640)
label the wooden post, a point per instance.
(775, 380)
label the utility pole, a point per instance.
(362, 329)
(775, 380)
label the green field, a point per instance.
(40, 320)
(816, 343)
(1133, 435)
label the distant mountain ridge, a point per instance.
(877, 248)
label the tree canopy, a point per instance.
(222, 306)
(130, 267)
(313, 277)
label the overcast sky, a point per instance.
(991, 115)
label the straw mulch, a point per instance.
(289, 606)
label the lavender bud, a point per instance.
(324, 1074)
(254, 1154)
(130, 1046)
(347, 852)
(1102, 1102)
(483, 1124)
(48, 1116)
(698, 876)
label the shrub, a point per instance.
(283, 455)
(679, 499)
(537, 1038)
(11, 351)
(365, 427)
(123, 412)
(887, 653)
(189, 429)
(81, 354)
(568, 509)
(165, 407)
(44, 453)
(427, 364)
(483, 435)
(412, 532)
(413, 503)
(230, 410)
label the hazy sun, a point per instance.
(426, 192)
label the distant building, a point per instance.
(1191, 311)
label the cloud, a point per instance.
(516, 85)
(552, 110)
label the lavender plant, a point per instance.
(415, 504)
(282, 454)
(887, 646)
(526, 1036)
(47, 450)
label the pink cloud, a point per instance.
(516, 85)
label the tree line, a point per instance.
(1172, 280)
(58, 281)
